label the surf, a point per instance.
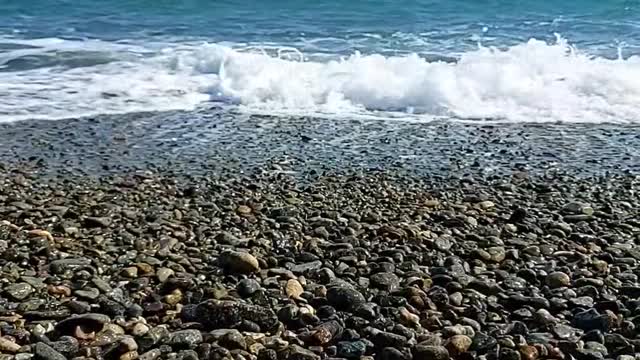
(533, 81)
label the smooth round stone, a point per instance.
(344, 297)
(578, 208)
(238, 262)
(164, 274)
(247, 287)
(139, 329)
(557, 280)
(458, 344)
(8, 346)
(385, 280)
(128, 344)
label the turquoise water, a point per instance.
(472, 60)
(367, 25)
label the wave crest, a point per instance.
(533, 81)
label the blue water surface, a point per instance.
(526, 60)
(333, 26)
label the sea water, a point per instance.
(472, 60)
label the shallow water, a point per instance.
(407, 60)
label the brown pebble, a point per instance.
(321, 291)
(59, 290)
(555, 353)
(145, 268)
(408, 318)
(8, 346)
(458, 344)
(529, 352)
(239, 262)
(293, 289)
(614, 320)
(41, 233)
(173, 298)
(324, 333)
(417, 302)
(244, 210)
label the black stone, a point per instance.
(247, 287)
(351, 350)
(591, 320)
(344, 297)
(387, 339)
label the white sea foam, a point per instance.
(532, 81)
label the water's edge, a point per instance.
(188, 142)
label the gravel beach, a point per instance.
(339, 262)
(319, 180)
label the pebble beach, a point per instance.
(271, 256)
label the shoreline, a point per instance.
(223, 142)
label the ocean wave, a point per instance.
(534, 81)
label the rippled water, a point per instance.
(534, 61)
